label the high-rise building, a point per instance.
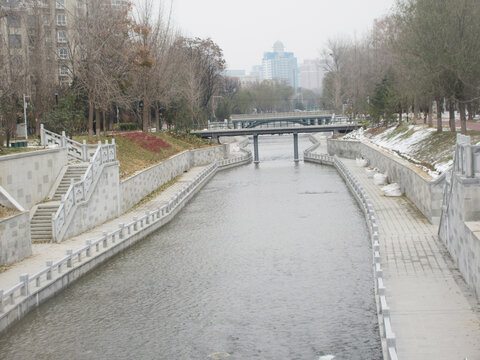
(280, 65)
(311, 75)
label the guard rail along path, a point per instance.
(78, 191)
(386, 333)
(34, 289)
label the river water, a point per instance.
(267, 262)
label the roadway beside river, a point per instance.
(434, 315)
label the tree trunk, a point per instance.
(400, 115)
(430, 117)
(157, 118)
(97, 123)
(90, 121)
(463, 118)
(104, 123)
(145, 119)
(425, 115)
(451, 113)
(439, 116)
(470, 111)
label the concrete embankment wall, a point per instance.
(135, 188)
(28, 177)
(15, 243)
(423, 191)
(460, 227)
(102, 203)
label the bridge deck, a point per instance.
(276, 130)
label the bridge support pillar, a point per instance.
(295, 147)
(255, 149)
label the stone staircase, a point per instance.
(41, 223)
(75, 173)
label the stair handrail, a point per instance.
(80, 151)
(78, 191)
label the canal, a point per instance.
(267, 262)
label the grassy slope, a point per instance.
(7, 212)
(133, 157)
(433, 149)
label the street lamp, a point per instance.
(25, 114)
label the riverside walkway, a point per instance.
(433, 313)
(50, 251)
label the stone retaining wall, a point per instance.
(102, 204)
(460, 227)
(29, 176)
(138, 186)
(421, 189)
(15, 243)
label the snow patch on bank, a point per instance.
(404, 144)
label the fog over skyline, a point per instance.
(246, 29)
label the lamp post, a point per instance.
(25, 114)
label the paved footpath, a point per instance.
(434, 315)
(44, 252)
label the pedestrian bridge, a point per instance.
(341, 127)
(306, 118)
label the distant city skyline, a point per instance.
(247, 29)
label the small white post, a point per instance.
(1, 300)
(84, 151)
(105, 243)
(121, 226)
(24, 280)
(69, 260)
(88, 243)
(49, 271)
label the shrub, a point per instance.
(147, 141)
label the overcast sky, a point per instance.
(245, 29)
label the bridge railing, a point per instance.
(282, 114)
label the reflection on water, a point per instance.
(267, 262)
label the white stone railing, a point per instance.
(467, 157)
(281, 114)
(79, 151)
(28, 284)
(78, 191)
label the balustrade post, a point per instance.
(54, 229)
(1, 300)
(69, 260)
(89, 244)
(64, 139)
(84, 151)
(135, 226)
(24, 289)
(74, 197)
(104, 241)
(158, 212)
(49, 271)
(468, 161)
(148, 217)
(114, 150)
(121, 226)
(37, 281)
